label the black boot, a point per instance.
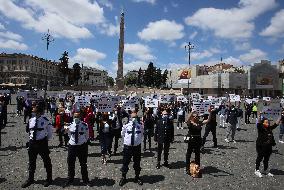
(122, 180)
(27, 183)
(47, 182)
(138, 180)
(68, 183)
(158, 166)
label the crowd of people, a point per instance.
(77, 127)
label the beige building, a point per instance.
(261, 79)
(93, 77)
(28, 71)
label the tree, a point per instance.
(76, 72)
(165, 77)
(158, 78)
(140, 78)
(63, 65)
(149, 75)
(110, 81)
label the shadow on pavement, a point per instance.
(2, 180)
(215, 171)
(148, 154)
(12, 148)
(177, 165)
(97, 182)
(277, 172)
(226, 147)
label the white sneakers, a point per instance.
(268, 174)
(258, 174)
(280, 141)
(227, 140)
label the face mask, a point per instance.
(76, 120)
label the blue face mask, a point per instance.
(76, 120)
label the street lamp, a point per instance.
(188, 48)
(48, 38)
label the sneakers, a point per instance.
(268, 174)
(227, 140)
(280, 141)
(257, 173)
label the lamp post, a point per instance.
(188, 48)
(48, 38)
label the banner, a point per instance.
(267, 99)
(181, 99)
(249, 101)
(234, 98)
(105, 106)
(128, 104)
(151, 103)
(83, 101)
(201, 107)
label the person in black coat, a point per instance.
(164, 135)
(149, 122)
(264, 143)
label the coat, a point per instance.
(164, 131)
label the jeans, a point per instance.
(222, 120)
(231, 130)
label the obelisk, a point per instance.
(119, 77)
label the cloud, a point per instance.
(233, 23)
(12, 44)
(89, 57)
(58, 16)
(2, 27)
(241, 46)
(147, 1)
(139, 51)
(275, 29)
(175, 5)
(192, 36)
(109, 29)
(163, 30)
(253, 56)
(130, 66)
(165, 9)
(11, 40)
(204, 54)
(174, 66)
(106, 3)
(281, 50)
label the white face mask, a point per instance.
(76, 120)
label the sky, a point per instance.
(241, 32)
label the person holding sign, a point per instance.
(194, 137)
(105, 137)
(265, 141)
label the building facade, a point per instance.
(260, 79)
(93, 77)
(28, 71)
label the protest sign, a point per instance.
(151, 103)
(267, 99)
(234, 98)
(249, 101)
(201, 107)
(105, 106)
(181, 99)
(128, 104)
(83, 101)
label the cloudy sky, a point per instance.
(239, 31)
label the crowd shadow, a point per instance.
(241, 129)
(12, 148)
(95, 154)
(3, 132)
(150, 179)
(98, 182)
(2, 180)
(244, 141)
(277, 172)
(206, 151)
(115, 161)
(177, 165)
(226, 147)
(276, 151)
(210, 170)
(148, 154)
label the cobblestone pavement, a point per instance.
(230, 166)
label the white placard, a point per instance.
(128, 104)
(83, 101)
(105, 106)
(282, 101)
(4, 92)
(249, 101)
(234, 98)
(271, 112)
(267, 99)
(255, 100)
(196, 96)
(201, 107)
(163, 99)
(151, 103)
(181, 99)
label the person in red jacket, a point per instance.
(90, 120)
(60, 120)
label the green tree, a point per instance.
(149, 75)
(158, 78)
(110, 81)
(140, 78)
(76, 72)
(63, 65)
(165, 77)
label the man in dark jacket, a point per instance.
(164, 135)
(232, 119)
